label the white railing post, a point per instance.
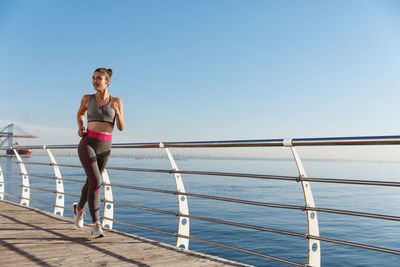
(183, 222)
(25, 195)
(2, 185)
(108, 212)
(59, 208)
(314, 248)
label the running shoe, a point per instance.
(96, 231)
(78, 215)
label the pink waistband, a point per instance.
(99, 136)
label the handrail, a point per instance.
(325, 141)
(182, 235)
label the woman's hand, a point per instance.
(81, 131)
(116, 106)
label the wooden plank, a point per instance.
(29, 236)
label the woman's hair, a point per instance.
(107, 72)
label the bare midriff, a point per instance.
(100, 127)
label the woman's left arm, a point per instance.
(119, 112)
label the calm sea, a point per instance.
(373, 199)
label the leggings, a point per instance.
(94, 151)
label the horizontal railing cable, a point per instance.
(350, 181)
(352, 244)
(51, 164)
(206, 219)
(291, 178)
(355, 213)
(140, 227)
(247, 226)
(56, 178)
(44, 203)
(11, 195)
(243, 250)
(140, 207)
(45, 177)
(273, 205)
(242, 175)
(248, 202)
(42, 189)
(37, 201)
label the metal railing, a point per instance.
(183, 233)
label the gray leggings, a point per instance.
(94, 155)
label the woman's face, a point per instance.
(99, 81)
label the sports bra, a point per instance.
(96, 112)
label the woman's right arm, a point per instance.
(81, 115)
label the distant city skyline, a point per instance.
(209, 70)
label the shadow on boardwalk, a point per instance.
(31, 236)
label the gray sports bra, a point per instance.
(96, 112)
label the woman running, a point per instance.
(95, 146)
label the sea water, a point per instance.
(372, 199)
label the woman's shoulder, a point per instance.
(86, 97)
(117, 99)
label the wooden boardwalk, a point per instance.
(30, 237)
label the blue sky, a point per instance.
(204, 70)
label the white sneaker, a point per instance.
(78, 215)
(96, 231)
